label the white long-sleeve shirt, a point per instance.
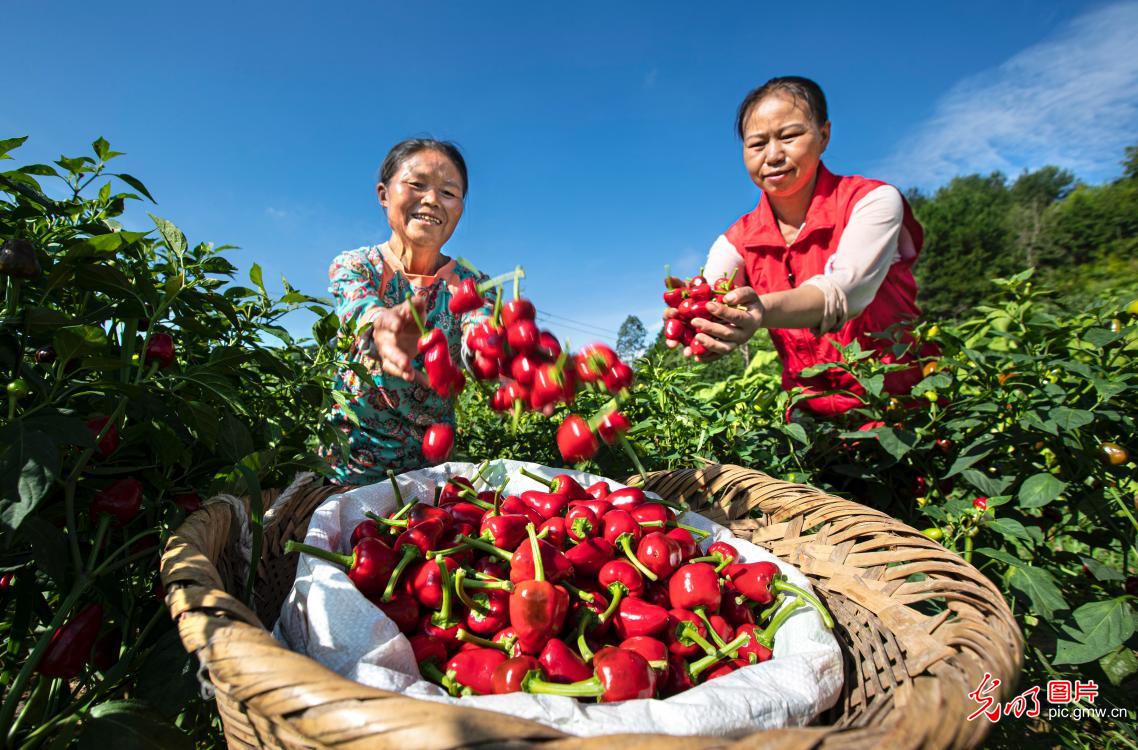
(872, 241)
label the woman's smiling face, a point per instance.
(783, 145)
(423, 199)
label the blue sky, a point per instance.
(599, 135)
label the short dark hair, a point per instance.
(405, 149)
(799, 88)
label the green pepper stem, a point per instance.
(472, 497)
(333, 557)
(690, 631)
(618, 591)
(433, 673)
(485, 546)
(813, 601)
(482, 467)
(399, 523)
(701, 613)
(402, 512)
(410, 552)
(498, 585)
(583, 645)
(442, 617)
(766, 636)
(497, 281)
(624, 541)
(452, 550)
(535, 548)
(467, 637)
(416, 316)
(395, 487)
(590, 688)
(691, 529)
(627, 446)
(584, 596)
(536, 478)
(697, 668)
(460, 590)
(767, 613)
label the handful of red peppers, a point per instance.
(531, 371)
(689, 300)
(580, 591)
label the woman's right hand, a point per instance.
(396, 337)
(736, 320)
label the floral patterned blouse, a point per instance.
(392, 412)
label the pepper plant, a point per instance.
(140, 379)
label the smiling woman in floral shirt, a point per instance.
(422, 187)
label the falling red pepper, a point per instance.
(575, 440)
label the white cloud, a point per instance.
(277, 213)
(650, 78)
(1071, 100)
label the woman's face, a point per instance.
(782, 145)
(423, 199)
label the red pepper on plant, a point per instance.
(122, 500)
(160, 349)
(109, 443)
(70, 647)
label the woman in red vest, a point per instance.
(826, 258)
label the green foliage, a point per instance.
(239, 407)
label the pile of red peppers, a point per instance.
(587, 592)
(689, 300)
(531, 372)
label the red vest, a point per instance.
(772, 266)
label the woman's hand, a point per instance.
(396, 337)
(737, 319)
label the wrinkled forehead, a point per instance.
(432, 164)
(778, 109)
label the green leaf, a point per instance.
(257, 277)
(1000, 555)
(75, 341)
(796, 431)
(8, 144)
(1119, 665)
(896, 442)
(936, 382)
(963, 462)
(130, 725)
(168, 676)
(873, 385)
(173, 236)
(1040, 589)
(1071, 419)
(1101, 572)
(1008, 527)
(987, 485)
(1040, 489)
(48, 546)
(27, 471)
(1103, 627)
(136, 184)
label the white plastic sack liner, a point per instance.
(327, 619)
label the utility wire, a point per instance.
(578, 322)
(586, 331)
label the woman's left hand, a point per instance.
(737, 318)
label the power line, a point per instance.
(579, 329)
(578, 322)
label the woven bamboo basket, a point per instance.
(913, 649)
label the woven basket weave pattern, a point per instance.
(913, 649)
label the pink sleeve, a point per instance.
(722, 259)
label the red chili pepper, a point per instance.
(121, 500)
(428, 649)
(545, 504)
(548, 346)
(581, 523)
(466, 298)
(618, 675)
(562, 484)
(599, 490)
(686, 635)
(613, 426)
(403, 609)
(107, 650)
(561, 664)
(554, 563)
(508, 675)
(637, 617)
(475, 668)
(513, 505)
(676, 679)
(695, 585)
(659, 554)
(686, 541)
(522, 336)
(189, 502)
(618, 378)
(370, 566)
(621, 530)
(673, 297)
(760, 581)
(652, 513)
(734, 607)
(652, 649)
(675, 329)
(599, 507)
(657, 593)
(627, 498)
(555, 531)
(517, 309)
(620, 578)
(483, 367)
(160, 349)
(589, 556)
(489, 610)
(438, 442)
(504, 531)
(537, 606)
(110, 442)
(575, 440)
(464, 512)
(431, 339)
(71, 643)
(553, 384)
(424, 581)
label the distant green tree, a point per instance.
(968, 241)
(1032, 194)
(631, 338)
